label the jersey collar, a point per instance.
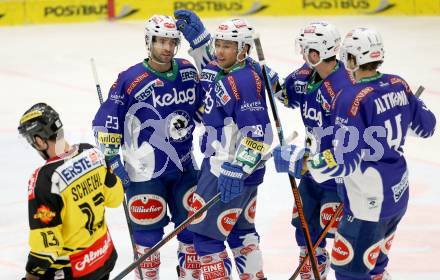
(168, 75)
(372, 78)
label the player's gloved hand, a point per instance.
(118, 169)
(289, 158)
(230, 181)
(192, 28)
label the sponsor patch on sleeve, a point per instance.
(354, 108)
(44, 214)
(250, 152)
(109, 138)
(324, 159)
(233, 85)
(397, 80)
(136, 82)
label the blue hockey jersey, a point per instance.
(372, 120)
(152, 115)
(234, 108)
(314, 99)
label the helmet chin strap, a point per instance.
(312, 65)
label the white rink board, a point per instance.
(50, 64)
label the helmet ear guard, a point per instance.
(365, 45)
(322, 37)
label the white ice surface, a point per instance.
(51, 64)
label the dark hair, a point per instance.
(370, 66)
(328, 59)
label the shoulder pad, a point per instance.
(397, 80)
(357, 100)
(184, 63)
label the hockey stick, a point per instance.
(419, 91)
(322, 235)
(124, 202)
(294, 187)
(184, 224)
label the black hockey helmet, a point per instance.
(40, 120)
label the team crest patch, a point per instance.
(44, 214)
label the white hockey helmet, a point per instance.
(364, 44)
(236, 30)
(322, 37)
(161, 26)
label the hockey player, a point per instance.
(150, 111)
(69, 238)
(237, 134)
(372, 119)
(311, 88)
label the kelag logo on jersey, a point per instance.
(78, 166)
(177, 97)
(147, 90)
(312, 114)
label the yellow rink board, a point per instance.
(60, 11)
(141, 9)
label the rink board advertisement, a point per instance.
(60, 11)
(51, 11)
(141, 9)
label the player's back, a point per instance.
(382, 110)
(67, 200)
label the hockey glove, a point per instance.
(230, 182)
(289, 158)
(118, 169)
(192, 28)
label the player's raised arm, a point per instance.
(197, 36)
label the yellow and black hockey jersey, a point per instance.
(67, 198)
